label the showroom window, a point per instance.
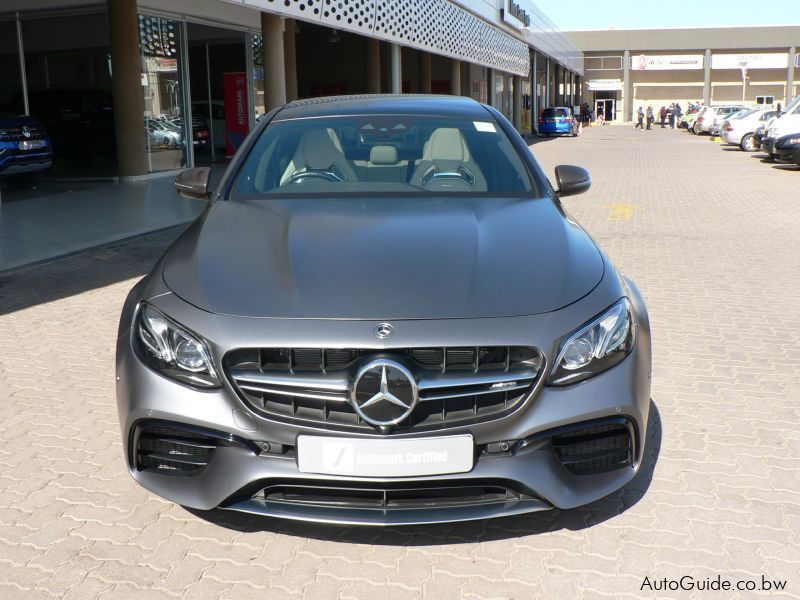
(163, 88)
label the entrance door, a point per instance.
(606, 108)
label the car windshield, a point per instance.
(791, 106)
(384, 154)
(744, 113)
(555, 112)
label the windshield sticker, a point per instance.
(484, 126)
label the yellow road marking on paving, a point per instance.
(620, 212)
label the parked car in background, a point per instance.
(788, 122)
(716, 126)
(25, 150)
(710, 115)
(557, 121)
(687, 120)
(738, 130)
(160, 134)
(786, 148)
(213, 114)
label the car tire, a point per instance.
(748, 143)
(695, 129)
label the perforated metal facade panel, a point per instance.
(438, 26)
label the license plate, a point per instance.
(385, 457)
(31, 144)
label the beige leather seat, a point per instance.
(383, 166)
(447, 166)
(320, 152)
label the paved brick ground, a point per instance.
(710, 235)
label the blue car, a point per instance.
(25, 150)
(557, 121)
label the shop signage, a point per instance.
(776, 60)
(236, 110)
(605, 85)
(666, 62)
(515, 15)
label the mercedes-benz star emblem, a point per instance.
(26, 131)
(383, 331)
(384, 393)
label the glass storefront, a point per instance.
(219, 91)
(163, 89)
(10, 81)
(69, 89)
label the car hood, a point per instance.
(382, 258)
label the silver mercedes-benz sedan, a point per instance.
(384, 316)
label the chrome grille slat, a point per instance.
(311, 386)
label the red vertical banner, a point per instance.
(236, 107)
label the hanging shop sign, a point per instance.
(605, 85)
(236, 110)
(515, 15)
(666, 62)
(775, 60)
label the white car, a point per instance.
(710, 115)
(784, 124)
(738, 129)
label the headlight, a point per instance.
(791, 141)
(170, 349)
(595, 347)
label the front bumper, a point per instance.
(237, 472)
(14, 161)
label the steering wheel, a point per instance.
(324, 175)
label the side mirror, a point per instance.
(193, 183)
(572, 180)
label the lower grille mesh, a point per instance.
(595, 449)
(173, 451)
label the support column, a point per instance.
(534, 93)
(274, 62)
(455, 77)
(516, 104)
(290, 56)
(373, 66)
(424, 72)
(126, 88)
(707, 78)
(548, 84)
(627, 89)
(397, 69)
(466, 79)
(790, 76)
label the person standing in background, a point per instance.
(649, 117)
(663, 115)
(671, 115)
(639, 119)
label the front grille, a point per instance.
(172, 451)
(595, 449)
(457, 385)
(14, 134)
(310, 495)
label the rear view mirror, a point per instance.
(193, 183)
(572, 180)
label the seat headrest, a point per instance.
(447, 148)
(383, 155)
(319, 151)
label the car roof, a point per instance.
(407, 104)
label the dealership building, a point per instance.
(626, 69)
(124, 86)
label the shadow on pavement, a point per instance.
(468, 532)
(87, 270)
